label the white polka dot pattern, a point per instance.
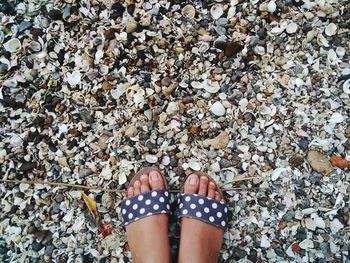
(146, 204)
(203, 208)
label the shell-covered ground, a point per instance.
(256, 93)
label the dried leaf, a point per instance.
(91, 204)
(296, 248)
(339, 161)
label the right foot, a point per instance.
(148, 236)
(200, 242)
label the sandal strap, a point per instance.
(145, 204)
(203, 208)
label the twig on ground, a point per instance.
(98, 188)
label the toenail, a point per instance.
(193, 180)
(204, 178)
(155, 177)
(144, 177)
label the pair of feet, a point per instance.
(148, 237)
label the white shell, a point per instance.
(197, 85)
(189, 11)
(74, 78)
(151, 158)
(103, 70)
(321, 40)
(340, 51)
(319, 222)
(346, 87)
(276, 30)
(195, 166)
(13, 45)
(165, 160)
(211, 86)
(291, 28)
(216, 11)
(10, 83)
(331, 29)
(35, 46)
(271, 6)
(259, 50)
(306, 243)
(336, 118)
(218, 109)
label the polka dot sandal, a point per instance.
(145, 204)
(203, 208)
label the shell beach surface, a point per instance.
(255, 93)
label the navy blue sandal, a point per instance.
(145, 204)
(203, 208)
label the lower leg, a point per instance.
(200, 242)
(148, 237)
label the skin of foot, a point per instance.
(200, 242)
(148, 237)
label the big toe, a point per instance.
(156, 180)
(192, 184)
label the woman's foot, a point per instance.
(200, 242)
(148, 237)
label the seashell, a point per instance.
(271, 7)
(336, 118)
(259, 50)
(189, 11)
(264, 110)
(276, 30)
(35, 46)
(291, 28)
(306, 243)
(10, 83)
(195, 166)
(74, 78)
(340, 51)
(332, 57)
(103, 70)
(331, 29)
(165, 160)
(216, 11)
(151, 158)
(197, 85)
(211, 86)
(131, 26)
(13, 45)
(231, 12)
(346, 86)
(218, 109)
(321, 40)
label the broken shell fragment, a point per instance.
(331, 29)
(13, 45)
(218, 109)
(189, 11)
(216, 11)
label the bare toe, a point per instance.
(144, 183)
(203, 185)
(137, 186)
(211, 190)
(192, 184)
(130, 191)
(156, 180)
(217, 196)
